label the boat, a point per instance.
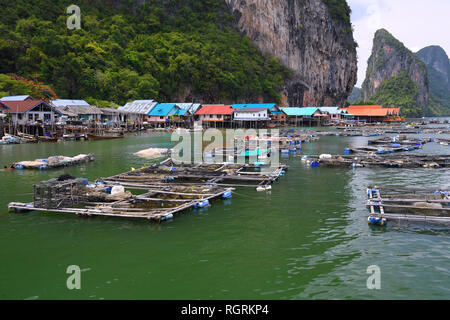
(47, 139)
(96, 137)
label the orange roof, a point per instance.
(370, 112)
(215, 109)
(366, 107)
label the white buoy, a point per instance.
(117, 189)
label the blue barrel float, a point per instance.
(347, 151)
(227, 194)
(202, 204)
(314, 164)
(377, 221)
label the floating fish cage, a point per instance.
(411, 204)
(221, 174)
(158, 203)
(55, 194)
(383, 160)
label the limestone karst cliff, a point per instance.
(395, 76)
(312, 37)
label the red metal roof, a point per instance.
(215, 109)
(20, 106)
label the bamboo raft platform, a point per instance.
(158, 203)
(390, 203)
(218, 174)
(386, 161)
(168, 188)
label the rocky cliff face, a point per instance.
(436, 58)
(438, 68)
(306, 37)
(389, 59)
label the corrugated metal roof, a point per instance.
(67, 102)
(163, 109)
(189, 107)
(371, 112)
(181, 112)
(139, 106)
(79, 110)
(215, 109)
(366, 107)
(294, 111)
(251, 110)
(332, 110)
(16, 98)
(254, 105)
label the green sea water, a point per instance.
(307, 238)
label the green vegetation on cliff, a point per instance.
(399, 91)
(160, 49)
(339, 10)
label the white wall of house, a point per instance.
(31, 117)
(251, 116)
(212, 117)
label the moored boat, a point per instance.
(96, 137)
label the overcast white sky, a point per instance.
(416, 23)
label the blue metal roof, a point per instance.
(269, 106)
(181, 112)
(238, 106)
(163, 109)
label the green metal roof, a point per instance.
(299, 111)
(255, 152)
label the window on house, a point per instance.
(30, 117)
(211, 116)
(19, 116)
(219, 116)
(161, 117)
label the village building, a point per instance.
(27, 112)
(334, 113)
(215, 115)
(304, 116)
(374, 113)
(138, 110)
(114, 116)
(162, 112)
(82, 113)
(251, 117)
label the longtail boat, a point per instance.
(95, 137)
